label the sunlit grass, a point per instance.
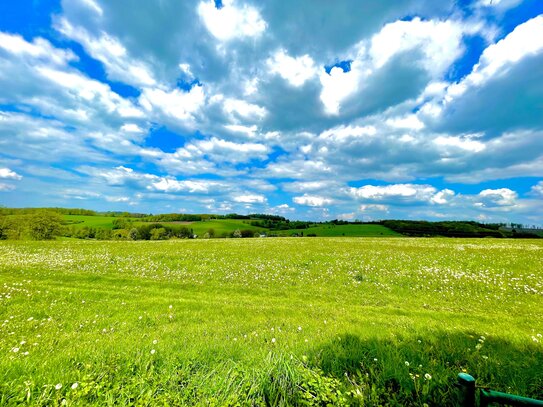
(268, 321)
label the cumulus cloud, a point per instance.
(176, 103)
(295, 70)
(394, 191)
(537, 189)
(243, 109)
(111, 52)
(312, 200)
(497, 197)
(250, 198)
(231, 21)
(6, 187)
(239, 105)
(373, 208)
(6, 173)
(464, 143)
(442, 197)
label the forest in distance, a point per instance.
(51, 223)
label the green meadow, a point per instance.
(352, 230)
(220, 226)
(282, 321)
(223, 227)
(94, 221)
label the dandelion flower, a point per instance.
(428, 376)
(15, 350)
(75, 385)
(58, 386)
(153, 351)
(155, 341)
(406, 363)
(273, 340)
(170, 307)
(299, 328)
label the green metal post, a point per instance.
(467, 390)
(491, 396)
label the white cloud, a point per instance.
(537, 189)
(176, 104)
(93, 6)
(39, 49)
(312, 200)
(410, 122)
(131, 128)
(395, 191)
(526, 39)
(6, 173)
(339, 85)
(172, 185)
(466, 143)
(117, 199)
(230, 22)
(227, 151)
(442, 197)
(244, 109)
(373, 208)
(112, 53)
(501, 5)
(6, 187)
(439, 41)
(89, 91)
(249, 131)
(499, 197)
(345, 132)
(295, 70)
(305, 186)
(250, 198)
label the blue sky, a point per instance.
(365, 109)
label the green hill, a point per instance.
(331, 230)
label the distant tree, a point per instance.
(159, 234)
(133, 234)
(103, 234)
(237, 233)
(119, 234)
(44, 225)
(211, 232)
(247, 233)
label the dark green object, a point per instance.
(491, 396)
(466, 383)
(467, 389)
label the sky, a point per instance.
(309, 109)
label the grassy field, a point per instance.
(343, 321)
(227, 226)
(344, 230)
(97, 221)
(220, 226)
